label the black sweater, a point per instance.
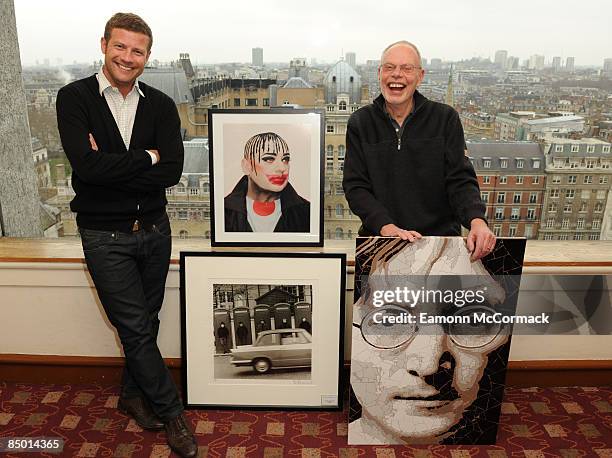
(115, 186)
(423, 182)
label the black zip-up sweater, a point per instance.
(115, 186)
(420, 181)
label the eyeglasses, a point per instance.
(389, 327)
(406, 69)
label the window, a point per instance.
(342, 106)
(329, 165)
(531, 213)
(569, 193)
(206, 187)
(554, 193)
(567, 208)
(590, 148)
(605, 164)
(565, 223)
(590, 163)
(558, 148)
(528, 231)
(486, 163)
(339, 233)
(330, 108)
(588, 179)
(183, 234)
(501, 197)
(330, 129)
(550, 223)
(519, 179)
(484, 196)
(594, 237)
(583, 207)
(341, 151)
(503, 163)
(497, 230)
(486, 179)
(552, 207)
(503, 179)
(563, 237)
(251, 102)
(596, 223)
(499, 213)
(520, 163)
(603, 179)
(266, 102)
(516, 214)
(535, 179)
(533, 198)
(236, 102)
(548, 237)
(180, 188)
(601, 194)
(330, 151)
(556, 179)
(536, 163)
(512, 232)
(575, 148)
(585, 194)
(339, 210)
(168, 191)
(571, 179)
(580, 223)
(516, 198)
(182, 214)
(605, 149)
(578, 236)
(194, 191)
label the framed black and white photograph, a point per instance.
(266, 177)
(262, 330)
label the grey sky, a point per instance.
(225, 31)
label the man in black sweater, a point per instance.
(405, 172)
(123, 141)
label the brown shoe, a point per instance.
(180, 438)
(139, 410)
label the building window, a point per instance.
(575, 148)
(251, 102)
(342, 105)
(183, 234)
(571, 179)
(563, 237)
(236, 102)
(531, 213)
(486, 179)
(565, 223)
(484, 196)
(601, 194)
(499, 213)
(194, 191)
(512, 232)
(548, 236)
(578, 236)
(183, 214)
(590, 148)
(497, 230)
(339, 210)
(180, 188)
(329, 129)
(516, 198)
(528, 231)
(266, 102)
(567, 208)
(596, 224)
(520, 163)
(519, 179)
(503, 163)
(580, 223)
(556, 179)
(603, 179)
(535, 179)
(533, 198)
(330, 151)
(503, 179)
(605, 149)
(486, 163)
(329, 165)
(598, 207)
(558, 148)
(550, 223)
(536, 163)
(168, 191)
(590, 163)
(341, 151)
(585, 193)
(594, 237)
(554, 193)
(569, 193)
(588, 179)
(339, 233)
(516, 214)
(501, 197)
(552, 207)
(583, 207)
(330, 108)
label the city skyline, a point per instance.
(323, 31)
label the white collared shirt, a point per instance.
(122, 108)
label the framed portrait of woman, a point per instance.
(266, 177)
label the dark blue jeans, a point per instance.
(129, 272)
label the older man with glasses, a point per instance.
(405, 171)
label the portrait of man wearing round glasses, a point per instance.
(414, 383)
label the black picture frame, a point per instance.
(303, 131)
(207, 380)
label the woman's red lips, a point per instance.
(277, 179)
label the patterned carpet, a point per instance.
(535, 422)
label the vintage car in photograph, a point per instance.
(274, 349)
